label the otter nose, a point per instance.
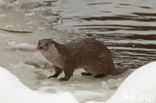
(41, 47)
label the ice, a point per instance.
(114, 83)
(21, 46)
(38, 59)
(25, 72)
(105, 85)
(8, 26)
(12, 90)
(29, 14)
(2, 15)
(7, 3)
(3, 2)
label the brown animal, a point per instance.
(89, 54)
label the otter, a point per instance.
(91, 55)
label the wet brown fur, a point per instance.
(89, 54)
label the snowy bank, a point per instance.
(139, 87)
(13, 91)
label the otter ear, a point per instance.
(51, 42)
(39, 41)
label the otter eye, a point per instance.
(46, 44)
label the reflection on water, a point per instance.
(127, 27)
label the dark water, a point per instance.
(127, 27)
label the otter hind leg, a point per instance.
(57, 72)
(64, 79)
(86, 74)
(100, 76)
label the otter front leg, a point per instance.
(86, 74)
(100, 75)
(68, 73)
(57, 72)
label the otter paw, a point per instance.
(64, 79)
(53, 76)
(100, 76)
(86, 74)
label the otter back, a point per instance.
(91, 55)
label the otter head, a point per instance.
(48, 49)
(44, 44)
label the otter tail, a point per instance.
(118, 71)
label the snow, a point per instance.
(139, 87)
(12, 90)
